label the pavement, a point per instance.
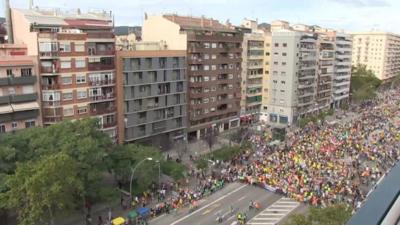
(238, 196)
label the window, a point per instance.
(82, 110)
(79, 47)
(28, 89)
(206, 45)
(206, 67)
(14, 125)
(2, 128)
(267, 53)
(284, 45)
(29, 123)
(213, 99)
(275, 81)
(276, 53)
(275, 63)
(284, 54)
(26, 72)
(206, 78)
(282, 91)
(276, 45)
(67, 96)
(82, 94)
(65, 64)
(213, 56)
(283, 82)
(267, 45)
(80, 63)
(283, 73)
(206, 56)
(11, 91)
(283, 63)
(66, 80)
(80, 79)
(9, 72)
(213, 67)
(68, 111)
(65, 47)
(205, 100)
(214, 45)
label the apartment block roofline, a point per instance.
(152, 53)
(198, 23)
(374, 33)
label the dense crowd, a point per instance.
(325, 164)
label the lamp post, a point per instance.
(133, 171)
(159, 174)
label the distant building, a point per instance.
(76, 54)
(3, 31)
(19, 90)
(151, 90)
(379, 51)
(214, 59)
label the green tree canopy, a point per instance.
(364, 83)
(37, 189)
(332, 215)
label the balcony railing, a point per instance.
(101, 111)
(100, 35)
(18, 80)
(51, 103)
(44, 69)
(99, 98)
(52, 54)
(50, 86)
(108, 125)
(97, 52)
(96, 67)
(101, 82)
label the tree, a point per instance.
(332, 215)
(364, 83)
(37, 189)
(125, 157)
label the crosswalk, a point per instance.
(275, 212)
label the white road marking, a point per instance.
(219, 199)
(275, 212)
(234, 223)
(241, 198)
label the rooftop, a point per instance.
(199, 23)
(57, 17)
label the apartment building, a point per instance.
(214, 57)
(151, 90)
(252, 71)
(379, 51)
(3, 31)
(342, 75)
(19, 102)
(76, 63)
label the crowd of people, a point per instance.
(321, 164)
(325, 164)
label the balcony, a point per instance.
(103, 35)
(109, 125)
(305, 85)
(100, 67)
(44, 69)
(54, 119)
(343, 70)
(49, 55)
(215, 38)
(305, 94)
(24, 98)
(17, 80)
(102, 98)
(51, 104)
(50, 86)
(99, 53)
(102, 110)
(102, 82)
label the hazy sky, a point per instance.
(351, 15)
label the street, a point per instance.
(274, 208)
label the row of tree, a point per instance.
(45, 171)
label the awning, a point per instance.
(143, 211)
(5, 109)
(25, 106)
(132, 215)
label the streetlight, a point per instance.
(159, 174)
(133, 171)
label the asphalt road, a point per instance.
(237, 195)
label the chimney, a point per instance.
(10, 34)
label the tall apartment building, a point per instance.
(151, 90)
(379, 51)
(252, 71)
(293, 74)
(214, 68)
(342, 75)
(19, 102)
(76, 63)
(309, 71)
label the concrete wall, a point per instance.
(157, 28)
(22, 34)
